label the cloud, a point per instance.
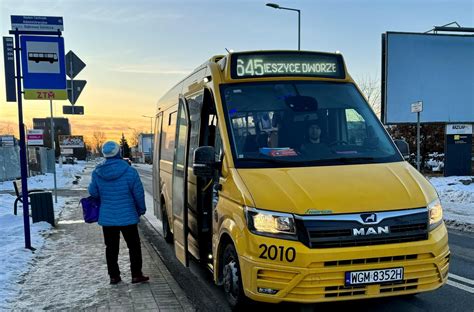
(127, 14)
(149, 69)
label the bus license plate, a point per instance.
(374, 276)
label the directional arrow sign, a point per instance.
(74, 89)
(74, 65)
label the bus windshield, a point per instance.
(302, 123)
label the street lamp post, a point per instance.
(276, 6)
(151, 122)
(151, 132)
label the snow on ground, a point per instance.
(65, 175)
(457, 197)
(146, 167)
(14, 258)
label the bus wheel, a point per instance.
(167, 235)
(232, 278)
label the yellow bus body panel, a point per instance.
(339, 189)
(318, 275)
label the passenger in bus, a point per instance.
(122, 202)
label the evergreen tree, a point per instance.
(124, 147)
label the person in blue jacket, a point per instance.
(122, 202)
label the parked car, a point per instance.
(70, 160)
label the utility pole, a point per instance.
(417, 108)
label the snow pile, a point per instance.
(14, 258)
(457, 197)
(146, 167)
(64, 178)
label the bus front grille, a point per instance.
(332, 231)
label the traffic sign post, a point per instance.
(45, 76)
(417, 108)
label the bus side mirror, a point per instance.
(204, 161)
(403, 147)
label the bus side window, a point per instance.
(167, 140)
(218, 145)
(195, 106)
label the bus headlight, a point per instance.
(270, 223)
(435, 213)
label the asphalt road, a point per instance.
(457, 295)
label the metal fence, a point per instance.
(9, 163)
(41, 160)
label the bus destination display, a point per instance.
(287, 64)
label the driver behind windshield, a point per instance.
(314, 145)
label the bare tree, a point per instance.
(134, 138)
(370, 87)
(7, 129)
(98, 139)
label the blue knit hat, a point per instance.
(110, 149)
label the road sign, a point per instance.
(74, 89)
(44, 71)
(74, 65)
(417, 107)
(35, 137)
(37, 23)
(73, 110)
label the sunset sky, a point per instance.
(136, 50)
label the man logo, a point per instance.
(371, 231)
(369, 217)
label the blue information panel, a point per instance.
(43, 66)
(9, 61)
(37, 23)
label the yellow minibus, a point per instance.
(271, 169)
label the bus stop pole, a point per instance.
(418, 165)
(53, 145)
(23, 164)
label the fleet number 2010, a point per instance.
(273, 252)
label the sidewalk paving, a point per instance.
(70, 273)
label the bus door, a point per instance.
(156, 166)
(180, 185)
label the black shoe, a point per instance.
(115, 280)
(140, 279)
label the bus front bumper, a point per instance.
(319, 274)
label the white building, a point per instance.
(145, 147)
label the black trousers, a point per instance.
(112, 244)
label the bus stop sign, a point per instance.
(43, 68)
